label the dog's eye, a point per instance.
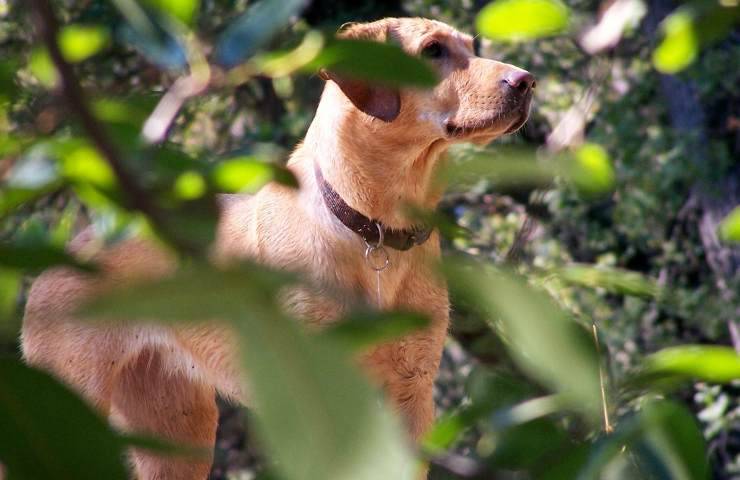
(434, 50)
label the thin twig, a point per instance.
(602, 384)
(136, 197)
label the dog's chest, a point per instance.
(344, 283)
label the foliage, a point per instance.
(574, 350)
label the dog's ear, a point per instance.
(380, 102)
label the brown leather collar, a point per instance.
(367, 228)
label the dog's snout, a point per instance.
(520, 80)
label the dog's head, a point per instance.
(476, 99)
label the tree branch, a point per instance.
(136, 197)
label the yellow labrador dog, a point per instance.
(369, 151)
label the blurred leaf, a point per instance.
(248, 174)
(82, 163)
(193, 222)
(279, 64)
(526, 444)
(253, 29)
(48, 432)
(38, 256)
(503, 166)
(694, 25)
(614, 280)
(364, 329)
(337, 430)
(565, 465)
(699, 362)
(522, 19)
(680, 44)
(152, 36)
(190, 185)
(663, 440)
(79, 42)
(12, 198)
(673, 435)
(589, 169)
(163, 447)
(10, 283)
(488, 390)
(61, 233)
(41, 66)
(544, 341)
(729, 229)
(381, 63)
(183, 10)
(8, 86)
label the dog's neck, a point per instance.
(376, 174)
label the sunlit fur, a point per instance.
(162, 379)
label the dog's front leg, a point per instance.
(407, 368)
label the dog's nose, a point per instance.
(520, 80)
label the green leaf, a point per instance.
(380, 63)
(318, 418)
(36, 257)
(10, 283)
(81, 163)
(694, 25)
(152, 35)
(663, 441)
(488, 390)
(700, 362)
(41, 66)
(680, 44)
(253, 29)
(183, 10)
(591, 170)
(190, 185)
(281, 63)
(614, 280)
(364, 329)
(48, 432)
(504, 167)
(526, 444)
(674, 437)
(542, 339)
(522, 19)
(729, 229)
(8, 86)
(80, 42)
(247, 174)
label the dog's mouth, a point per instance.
(501, 124)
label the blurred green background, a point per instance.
(636, 235)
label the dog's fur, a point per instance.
(378, 148)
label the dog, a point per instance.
(369, 151)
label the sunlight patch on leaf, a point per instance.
(729, 229)
(79, 42)
(701, 362)
(680, 44)
(516, 20)
(590, 169)
(41, 66)
(190, 185)
(183, 10)
(247, 174)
